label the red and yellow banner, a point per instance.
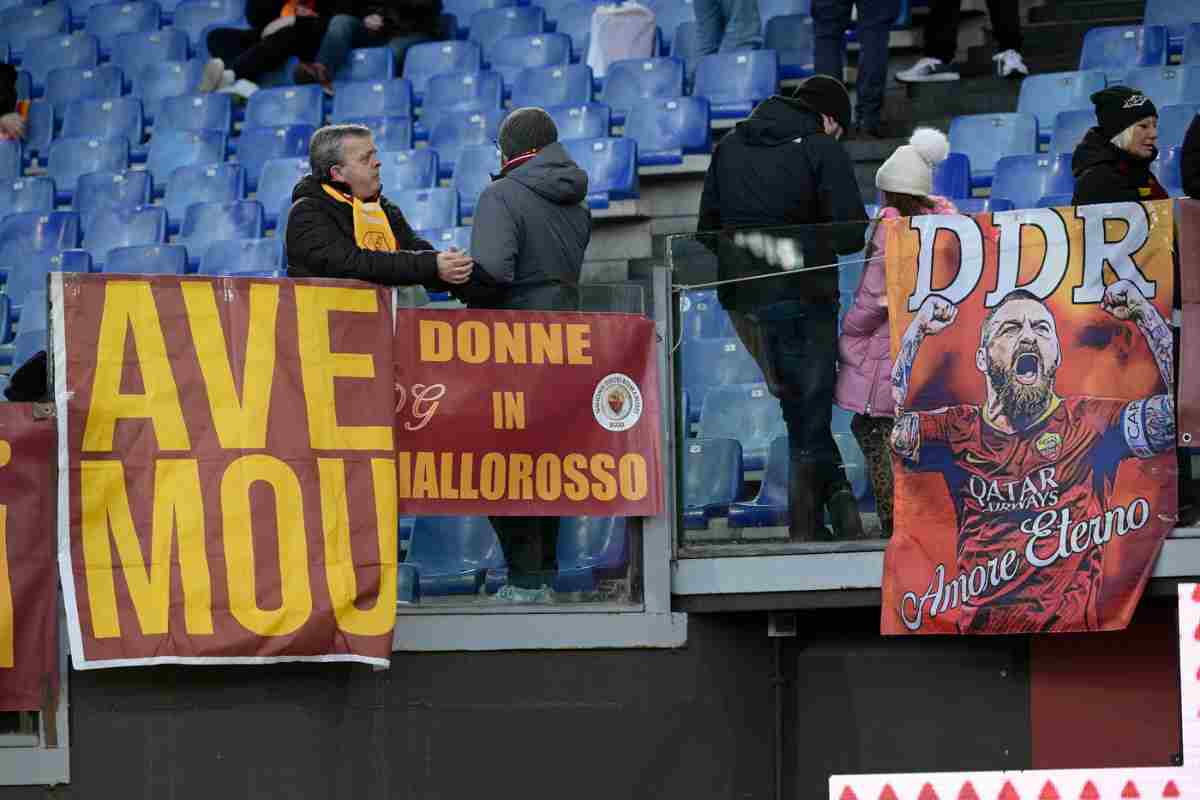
(527, 413)
(1187, 220)
(1034, 444)
(28, 576)
(227, 487)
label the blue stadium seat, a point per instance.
(512, 54)
(767, 9)
(105, 119)
(748, 413)
(1173, 122)
(770, 506)
(736, 82)
(1023, 180)
(69, 83)
(70, 158)
(611, 165)
(1055, 200)
(701, 316)
(712, 480)
(24, 85)
(458, 129)
(165, 79)
(1046, 95)
(7, 332)
(1117, 49)
(20, 26)
(79, 10)
(1167, 168)
(245, 257)
(472, 173)
(456, 555)
(110, 228)
(423, 61)
(401, 170)
(408, 578)
(1191, 45)
(367, 64)
(10, 159)
(982, 205)
(791, 36)
(684, 46)
(490, 25)
(33, 330)
(445, 238)
(109, 20)
(390, 133)
(193, 16)
(587, 121)
(56, 51)
(26, 194)
(952, 177)
(39, 129)
(196, 112)
(171, 149)
(279, 177)
(205, 223)
(458, 92)
(714, 363)
(285, 105)
(35, 266)
(670, 13)
(33, 231)
(553, 9)
(575, 21)
(986, 138)
(257, 146)
(134, 51)
(666, 130)
(1069, 128)
(634, 81)
(464, 9)
(203, 183)
(148, 259)
(1175, 15)
(590, 549)
(97, 191)
(1167, 86)
(372, 99)
(424, 209)
(546, 87)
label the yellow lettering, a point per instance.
(425, 480)
(577, 487)
(514, 411)
(546, 343)
(578, 342)
(510, 343)
(520, 476)
(605, 487)
(7, 633)
(548, 477)
(634, 482)
(498, 410)
(437, 340)
(446, 477)
(492, 476)
(404, 470)
(466, 478)
(474, 346)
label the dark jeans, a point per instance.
(941, 27)
(725, 25)
(251, 57)
(831, 19)
(530, 546)
(347, 32)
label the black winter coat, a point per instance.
(402, 17)
(1104, 173)
(8, 88)
(320, 243)
(1189, 164)
(779, 168)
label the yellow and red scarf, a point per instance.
(372, 231)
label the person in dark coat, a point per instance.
(1112, 162)
(1189, 160)
(341, 226)
(12, 124)
(784, 166)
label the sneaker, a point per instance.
(240, 88)
(1009, 64)
(314, 72)
(212, 77)
(928, 70)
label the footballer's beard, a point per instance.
(1023, 403)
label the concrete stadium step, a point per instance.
(1079, 12)
(971, 95)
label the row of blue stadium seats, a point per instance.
(1116, 49)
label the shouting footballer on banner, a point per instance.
(1031, 472)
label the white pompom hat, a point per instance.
(909, 170)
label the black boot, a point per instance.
(803, 485)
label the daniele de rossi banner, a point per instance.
(227, 480)
(527, 413)
(1034, 444)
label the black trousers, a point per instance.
(941, 27)
(530, 546)
(251, 57)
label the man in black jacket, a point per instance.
(341, 226)
(1189, 162)
(784, 166)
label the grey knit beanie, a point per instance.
(526, 129)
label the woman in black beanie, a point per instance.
(1112, 163)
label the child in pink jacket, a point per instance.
(864, 351)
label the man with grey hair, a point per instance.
(341, 226)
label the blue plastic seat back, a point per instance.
(1176, 15)
(737, 81)
(70, 83)
(171, 149)
(165, 79)
(1191, 45)
(203, 183)
(285, 105)
(748, 413)
(243, 257)
(982, 205)
(279, 177)
(98, 191)
(472, 173)
(257, 146)
(24, 85)
(490, 25)
(670, 13)
(791, 36)
(428, 208)
(712, 473)
(79, 11)
(590, 548)
(701, 316)
(134, 51)
(26, 194)
(456, 555)
(587, 121)
(20, 26)
(105, 119)
(32, 231)
(444, 238)
(1117, 49)
(1167, 85)
(70, 158)
(33, 330)
(715, 362)
(553, 9)
(684, 46)
(39, 128)
(193, 16)
(1173, 123)
(546, 87)
(390, 133)
(458, 129)
(206, 223)
(372, 99)
(110, 228)
(459, 91)
(530, 51)
(109, 20)
(196, 112)
(611, 165)
(148, 259)
(986, 138)
(1045, 96)
(465, 9)
(632, 82)
(423, 61)
(10, 159)
(1055, 200)
(1069, 128)
(36, 266)
(401, 170)
(1167, 168)
(7, 331)
(768, 9)
(952, 177)
(777, 473)
(1025, 179)
(367, 64)
(575, 21)
(666, 130)
(58, 50)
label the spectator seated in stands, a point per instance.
(341, 226)
(12, 122)
(1112, 163)
(1189, 161)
